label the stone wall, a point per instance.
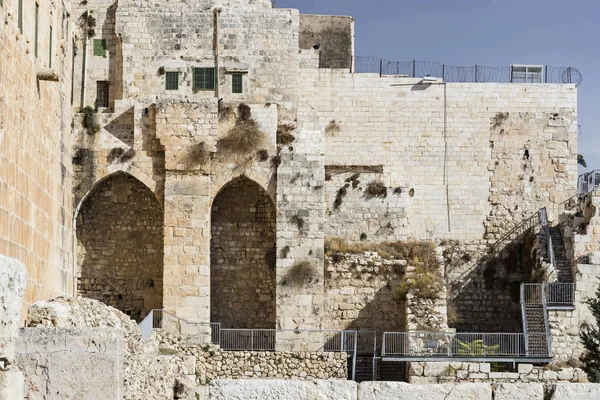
(446, 372)
(120, 246)
(333, 36)
(448, 146)
(35, 148)
(359, 293)
(243, 257)
(72, 363)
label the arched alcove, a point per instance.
(243, 256)
(119, 228)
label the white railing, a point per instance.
(461, 345)
(588, 182)
(161, 319)
(248, 339)
(552, 294)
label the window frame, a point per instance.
(240, 83)
(520, 73)
(106, 85)
(99, 50)
(170, 73)
(195, 79)
(37, 30)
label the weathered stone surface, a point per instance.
(11, 385)
(278, 389)
(405, 391)
(12, 288)
(576, 391)
(518, 391)
(71, 363)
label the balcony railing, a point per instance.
(588, 182)
(471, 346)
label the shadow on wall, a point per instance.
(120, 246)
(486, 297)
(243, 275)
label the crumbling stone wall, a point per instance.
(359, 293)
(243, 257)
(120, 240)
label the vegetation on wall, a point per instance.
(245, 137)
(89, 120)
(499, 119)
(332, 128)
(118, 154)
(284, 134)
(196, 155)
(376, 189)
(299, 222)
(88, 23)
(590, 337)
(301, 274)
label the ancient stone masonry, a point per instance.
(120, 246)
(35, 146)
(243, 257)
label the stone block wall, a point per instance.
(72, 363)
(332, 35)
(35, 147)
(242, 256)
(359, 293)
(445, 372)
(458, 149)
(120, 246)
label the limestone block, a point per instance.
(518, 391)
(402, 391)
(579, 391)
(228, 389)
(11, 385)
(184, 389)
(12, 288)
(525, 368)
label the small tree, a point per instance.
(581, 161)
(590, 336)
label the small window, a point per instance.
(102, 94)
(50, 49)
(172, 80)
(261, 211)
(527, 73)
(100, 47)
(20, 16)
(204, 79)
(237, 81)
(35, 43)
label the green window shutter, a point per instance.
(35, 45)
(20, 16)
(100, 47)
(172, 81)
(237, 83)
(50, 49)
(204, 79)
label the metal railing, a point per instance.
(215, 332)
(588, 182)
(466, 74)
(161, 319)
(527, 224)
(552, 294)
(483, 346)
(549, 246)
(247, 339)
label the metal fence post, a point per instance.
(475, 72)
(380, 67)
(414, 68)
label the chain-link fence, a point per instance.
(475, 73)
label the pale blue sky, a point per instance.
(484, 32)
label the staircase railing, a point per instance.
(524, 226)
(549, 246)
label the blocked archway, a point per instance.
(243, 256)
(119, 230)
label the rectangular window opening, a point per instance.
(102, 88)
(35, 45)
(50, 49)
(204, 79)
(172, 80)
(100, 47)
(20, 16)
(237, 81)
(527, 73)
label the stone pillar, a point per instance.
(300, 240)
(180, 126)
(12, 289)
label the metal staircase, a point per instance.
(562, 267)
(535, 320)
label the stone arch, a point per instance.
(242, 248)
(266, 182)
(119, 231)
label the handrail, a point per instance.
(549, 245)
(517, 228)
